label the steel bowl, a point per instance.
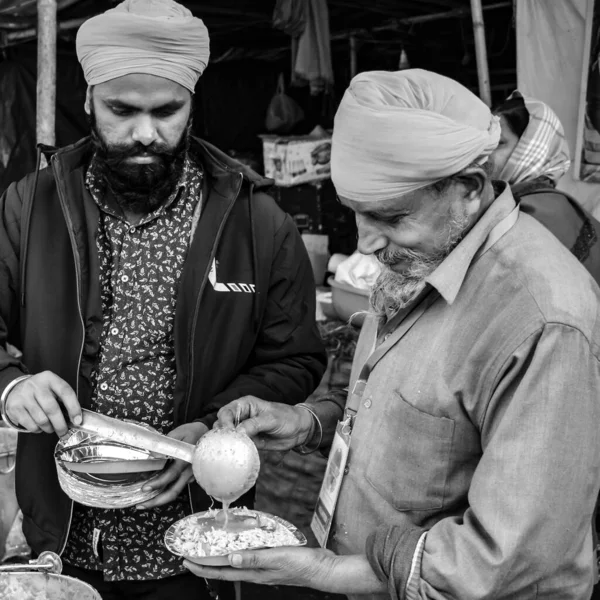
(103, 474)
(49, 586)
(41, 579)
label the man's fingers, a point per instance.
(40, 418)
(64, 392)
(254, 426)
(225, 419)
(49, 405)
(218, 573)
(170, 474)
(23, 419)
(167, 496)
(238, 411)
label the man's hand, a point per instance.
(307, 567)
(34, 404)
(179, 473)
(272, 426)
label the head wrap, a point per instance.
(542, 150)
(396, 132)
(156, 37)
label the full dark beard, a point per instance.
(139, 188)
(393, 291)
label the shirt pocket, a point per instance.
(410, 470)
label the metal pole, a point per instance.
(352, 56)
(481, 52)
(46, 72)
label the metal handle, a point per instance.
(47, 562)
(134, 435)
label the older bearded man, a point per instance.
(145, 276)
(470, 431)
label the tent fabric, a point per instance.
(550, 39)
(17, 112)
(313, 57)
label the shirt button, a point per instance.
(386, 336)
(104, 386)
(367, 403)
(124, 278)
(114, 330)
(346, 470)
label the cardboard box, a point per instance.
(291, 160)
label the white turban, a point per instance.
(156, 37)
(396, 132)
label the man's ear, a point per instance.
(88, 100)
(474, 180)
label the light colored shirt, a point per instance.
(481, 428)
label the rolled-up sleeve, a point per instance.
(532, 495)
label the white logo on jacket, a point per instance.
(248, 288)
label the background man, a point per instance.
(144, 276)
(475, 449)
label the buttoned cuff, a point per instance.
(391, 551)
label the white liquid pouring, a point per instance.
(226, 465)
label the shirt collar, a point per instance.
(448, 278)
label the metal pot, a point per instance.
(41, 580)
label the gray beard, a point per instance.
(394, 291)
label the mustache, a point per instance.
(391, 256)
(118, 153)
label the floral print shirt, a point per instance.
(140, 268)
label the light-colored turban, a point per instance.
(396, 132)
(156, 37)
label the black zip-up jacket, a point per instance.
(244, 321)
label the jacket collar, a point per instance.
(448, 278)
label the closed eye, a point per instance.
(393, 220)
(121, 112)
(164, 113)
(388, 219)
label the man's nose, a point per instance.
(370, 239)
(144, 131)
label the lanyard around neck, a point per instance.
(401, 324)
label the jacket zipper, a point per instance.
(63, 203)
(195, 319)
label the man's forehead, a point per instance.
(406, 202)
(141, 88)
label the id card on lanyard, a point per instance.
(340, 448)
(389, 336)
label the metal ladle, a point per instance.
(134, 435)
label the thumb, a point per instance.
(245, 560)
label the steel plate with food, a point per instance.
(207, 538)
